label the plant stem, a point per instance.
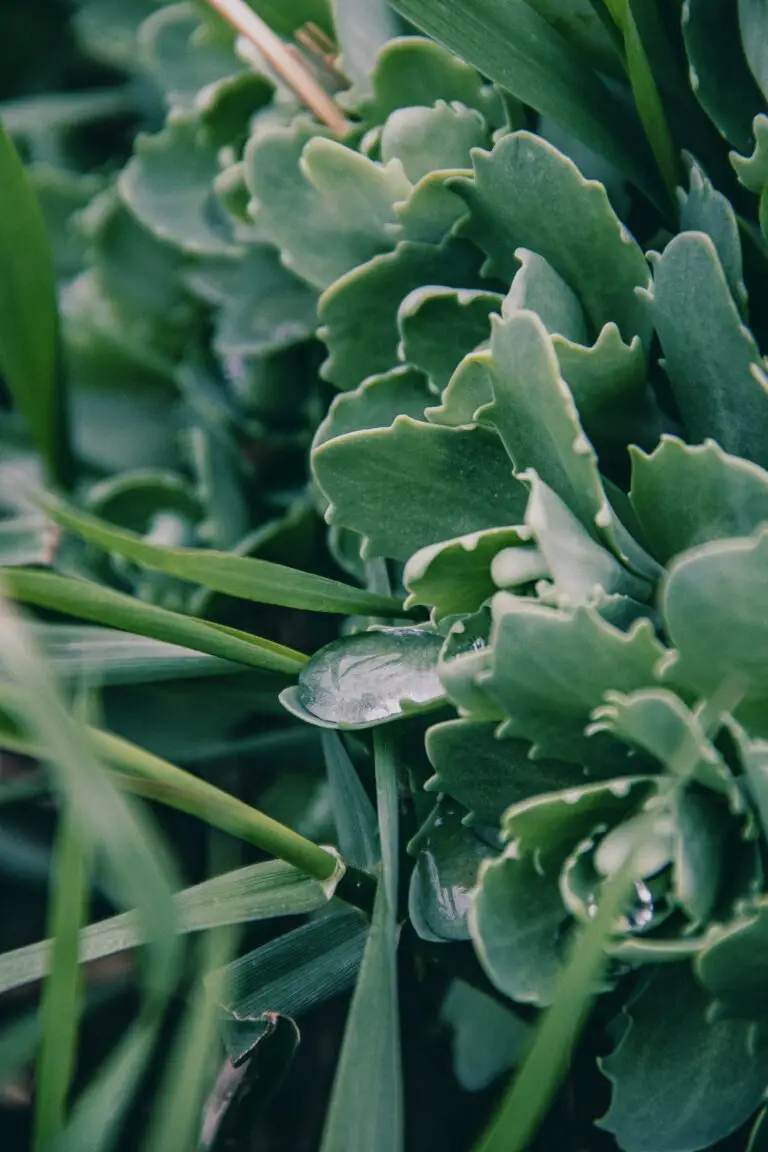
(163, 781)
(288, 64)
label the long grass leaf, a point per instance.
(354, 815)
(366, 1108)
(257, 892)
(101, 605)
(239, 576)
(28, 315)
(61, 1001)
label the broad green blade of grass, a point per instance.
(238, 576)
(61, 1000)
(647, 97)
(134, 866)
(101, 605)
(257, 892)
(366, 1108)
(29, 359)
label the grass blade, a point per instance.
(61, 1000)
(28, 315)
(257, 892)
(366, 1109)
(101, 605)
(355, 818)
(239, 576)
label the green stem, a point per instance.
(163, 781)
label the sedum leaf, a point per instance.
(487, 774)
(376, 403)
(454, 576)
(358, 313)
(752, 170)
(362, 31)
(488, 1040)
(704, 209)
(414, 72)
(448, 856)
(516, 920)
(657, 1106)
(179, 214)
(712, 360)
(432, 139)
(526, 194)
(325, 206)
(180, 60)
(720, 78)
(439, 326)
(372, 677)
(753, 25)
(571, 659)
(470, 480)
(685, 495)
(732, 964)
(712, 600)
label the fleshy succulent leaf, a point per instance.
(454, 576)
(439, 326)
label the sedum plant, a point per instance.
(516, 302)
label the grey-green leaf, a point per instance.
(657, 1106)
(712, 360)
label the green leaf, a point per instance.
(326, 207)
(720, 77)
(23, 541)
(582, 570)
(656, 721)
(487, 774)
(261, 307)
(732, 964)
(712, 601)
(28, 318)
(571, 659)
(526, 194)
(516, 920)
(376, 403)
(656, 1105)
(414, 72)
(704, 209)
(61, 1001)
(649, 103)
(753, 755)
(362, 30)
(752, 170)
(239, 576)
(358, 313)
(179, 214)
(488, 1040)
(522, 52)
(439, 326)
(685, 495)
(467, 471)
(432, 139)
(366, 1107)
(454, 576)
(700, 853)
(448, 856)
(257, 892)
(180, 59)
(712, 360)
(88, 601)
(432, 209)
(372, 677)
(353, 813)
(289, 976)
(469, 390)
(606, 379)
